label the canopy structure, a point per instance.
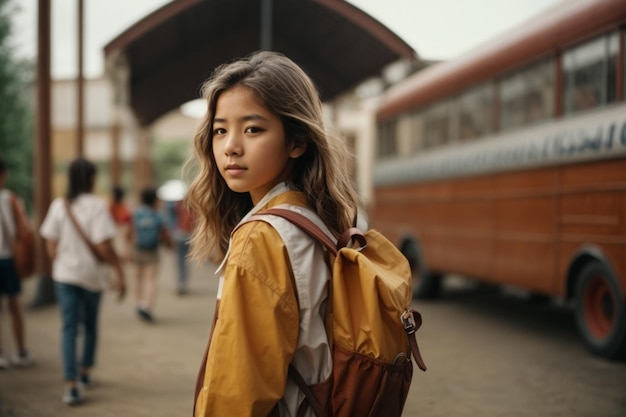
(160, 62)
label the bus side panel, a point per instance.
(452, 225)
(593, 213)
(524, 244)
(462, 241)
(525, 224)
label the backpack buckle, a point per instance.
(408, 321)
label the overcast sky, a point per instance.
(436, 29)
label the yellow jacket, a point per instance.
(263, 322)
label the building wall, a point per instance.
(98, 145)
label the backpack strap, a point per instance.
(352, 235)
(412, 320)
(318, 410)
(80, 231)
(305, 224)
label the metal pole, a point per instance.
(116, 166)
(266, 25)
(80, 134)
(43, 159)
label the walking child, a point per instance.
(262, 144)
(79, 232)
(10, 283)
(147, 233)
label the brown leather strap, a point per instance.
(305, 224)
(411, 328)
(80, 231)
(348, 237)
(310, 397)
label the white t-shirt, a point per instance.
(6, 242)
(74, 262)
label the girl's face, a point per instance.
(249, 144)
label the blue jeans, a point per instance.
(78, 305)
(182, 249)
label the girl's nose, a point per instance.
(233, 145)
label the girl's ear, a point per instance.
(297, 149)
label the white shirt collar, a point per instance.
(277, 190)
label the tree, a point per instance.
(170, 157)
(16, 114)
(17, 125)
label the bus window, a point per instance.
(387, 142)
(475, 109)
(589, 74)
(403, 138)
(410, 138)
(436, 125)
(527, 96)
(417, 132)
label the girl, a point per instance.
(261, 144)
(78, 274)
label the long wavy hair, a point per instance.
(81, 177)
(322, 171)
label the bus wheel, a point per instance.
(600, 311)
(426, 285)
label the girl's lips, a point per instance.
(234, 169)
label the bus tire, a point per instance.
(601, 311)
(426, 285)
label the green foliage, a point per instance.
(168, 159)
(16, 115)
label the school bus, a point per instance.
(508, 166)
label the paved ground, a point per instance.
(488, 355)
(142, 370)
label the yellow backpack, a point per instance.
(370, 325)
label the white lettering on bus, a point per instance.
(584, 138)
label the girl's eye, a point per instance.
(219, 131)
(253, 129)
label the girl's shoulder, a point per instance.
(263, 228)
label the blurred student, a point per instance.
(147, 232)
(79, 231)
(10, 283)
(119, 210)
(181, 226)
(121, 215)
